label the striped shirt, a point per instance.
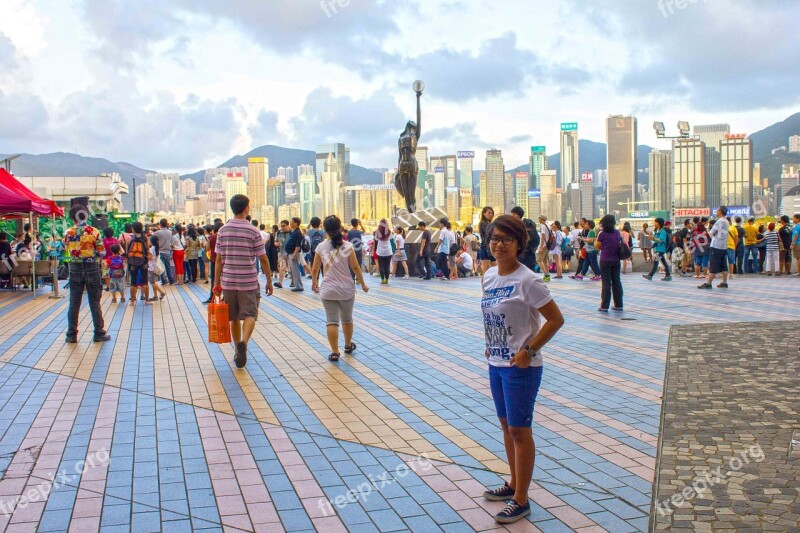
(771, 240)
(239, 243)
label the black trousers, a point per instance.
(441, 261)
(85, 276)
(659, 256)
(423, 263)
(383, 265)
(612, 284)
(212, 269)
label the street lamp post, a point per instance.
(684, 129)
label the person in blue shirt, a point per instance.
(796, 241)
(660, 238)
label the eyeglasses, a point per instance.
(505, 240)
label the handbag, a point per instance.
(219, 325)
(159, 267)
(624, 250)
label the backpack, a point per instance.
(670, 244)
(533, 236)
(316, 240)
(305, 245)
(474, 245)
(117, 267)
(137, 252)
(625, 251)
(551, 240)
(564, 244)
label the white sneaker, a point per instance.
(405, 277)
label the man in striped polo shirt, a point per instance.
(235, 276)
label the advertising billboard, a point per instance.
(587, 176)
(438, 170)
(569, 126)
(535, 193)
(692, 212)
(538, 149)
(467, 154)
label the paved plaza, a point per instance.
(157, 430)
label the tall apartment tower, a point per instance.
(569, 153)
(621, 157)
(736, 170)
(465, 160)
(536, 163)
(329, 190)
(689, 171)
(495, 181)
(258, 174)
(342, 156)
(712, 135)
(662, 179)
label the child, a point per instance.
(108, 241)
(116, 270)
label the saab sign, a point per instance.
(569, 126)
(692, 212)
(465, 155)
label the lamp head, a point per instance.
(418, 86)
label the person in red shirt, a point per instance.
(212, 232)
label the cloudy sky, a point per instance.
(184, 84)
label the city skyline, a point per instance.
(134, 72)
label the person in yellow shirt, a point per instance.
(750, 246)
(733, 241)
(85, 248)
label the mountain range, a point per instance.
(592, 157)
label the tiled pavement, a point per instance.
(158, 430)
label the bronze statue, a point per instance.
(405, 181)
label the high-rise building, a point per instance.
(215, 200)
(548, 195)
(268, 216)
(536, 163)
(307, 188)
(234, 184)
(662, 180)
(330, 187)
(465, 159)
(508, 188)
(341, 154)
(621, 156)
(276, 192)
(569, 153)
(587, 198)
(689, 173)
(146, 198)
(534, 208)
(495, 181)
(452, 199)
(600, 177)
(712, 135)
(290, 175)
(448, 164)
(288, 211)
(439, 183)
(794, 143)
(422, 158)
(466, 209)
(258, 174)
(483, 188)
(521, 181)
(736, 170)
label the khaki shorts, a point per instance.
(543, 255)
(283, 262)
(242, 304)
(796, 251)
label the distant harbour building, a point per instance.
(521, 180)
(569, 153)
(307, 189)
(276, 192)
(621, 140)
(341, 154)
(258, 172)
(662, 180)
(508, 188)
(689, 173)
(712, 135)
(550, 202)
(794, 143)
(736, 170)
(465, 163)
(331, 182)
(586, 196)
(234, 184)
(495, 181)
(537, 162)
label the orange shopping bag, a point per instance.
(219, 325)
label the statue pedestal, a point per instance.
(431, 217)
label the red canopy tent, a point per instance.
(38, 205)
(13, 203)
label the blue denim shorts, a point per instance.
(731, 256)
(701, 261)
(514, 393)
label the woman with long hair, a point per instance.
(484, 253)
(609, 242)
(627, 238)
(191, 253)
(400, 253)
(383, 249)
(178, 253)
(337, 291)
(519, 318)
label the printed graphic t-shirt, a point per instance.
(511, 317)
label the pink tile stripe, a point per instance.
(242, 497)
(39, 455)
(464, 494)
(89, 501)
(322, 513)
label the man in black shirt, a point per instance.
(423, 260)
(785, 254)
(355, 236)
(293, 249)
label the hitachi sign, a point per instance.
(465, 155)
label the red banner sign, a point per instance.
(692, 212)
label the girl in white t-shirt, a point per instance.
(519, 318)
(337, 291)
(555, 253)
(152, 278)
(400, 253)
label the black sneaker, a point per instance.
(277, 285)
(499, 494)
(648, 278)
(705, 286)
(512, 512)
(722, 286)
(295, 289)
(666, 278)
(102, 338)
(240, 359)
(207, 301)
(71, 340)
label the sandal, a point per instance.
(350, 349)
(333, 357)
